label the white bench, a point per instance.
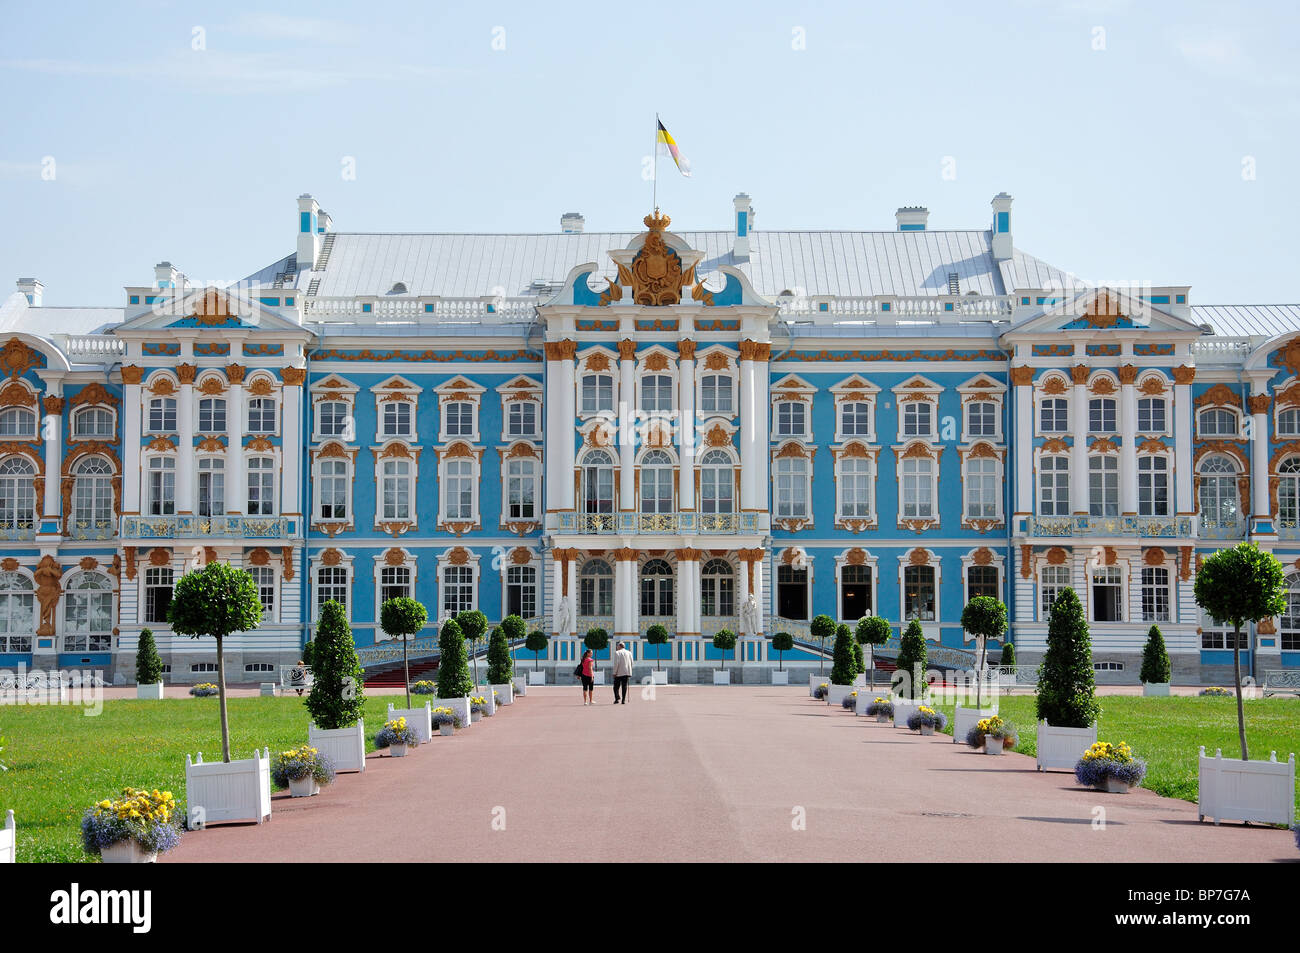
(294, 678)
(1282, 682)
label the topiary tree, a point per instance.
(473, 626)
(1066, 691)
(1156, 669)
(872, 631)
(402, 618)
(516, 631)
(500, 668)
(453, 669)
(596, 639)
(724, 640)
(783, 642)
(338, 696)
(1008, 655)
(859, 662)
(536, 643)
(843, 669)
(822, 628)
(1236, 586)
(985, 618)
(148, 664)
(912, 660)
(656, 635)
(217, 600)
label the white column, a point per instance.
(1128, 477)
(762, 404)
(1024, 445)
(568, 449)
(557, 565)
(1183, 377)
(185, 411)
(235, 476)
(627, 412)
(51, 431)
(749, 500)
(686, 428)
(742, 592)
(756, 581)
(291, 455)
(572, 570)
(1259, 500)
(625, 594)
(556, 479)
(131, 429)
(1079, 453)
(685, 597)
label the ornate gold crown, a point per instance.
(656, 222)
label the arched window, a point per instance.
(657, 591)
(656, 482)
(92, 422)
(1288, 492)
(1217, 422)
(596, 589)
(17, 612)
(17, 495)
(598, 482)
(1289, 632)
(718, 589)
(1288, 423)
(17, 422)
(92, 495)
(717, 483)
(1220, 502)
(88, 613)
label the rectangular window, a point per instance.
(1155, 594)
(1107, 595)
(331, 586)
(982, 581)
(1052, 580)
(1151, 415)
(1054, 486)
(88, 620)
(162, 486)
(918, 416)
(394, 583)
(521, 417)
(1054, 415)
(397, 418)
(332, 490)
(396, 490)
(521, 591)
(459, 417)
(657, 393)
(212, 486)
(264, 578)
(331, 419)
(983, 488)
(212, 415)
(982, 419)
(261, 415)
(458, 490)
(521, 489)
(457, 589)
(261, 486)
(791, 418)
(162, 415)
(918, 593)
(1153, 486)
(791, 488)
(157, 593)
(1222, 639)
(855, 419)
(918, 489)
(1103, 486)
(715, 394)
(597, 393)
(855, 484)
(1101, 415)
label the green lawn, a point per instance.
(60, 761)
(1167, 732)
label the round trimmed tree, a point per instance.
(596, 639)
(217, 600)
(872, 631)
(1066, 690)
(500, 668)
(724, 640)
(985, 618)
(516, 632)
(912, 659)
(148, 664)
(536, 643)
(657, 635)
(821, 629)
(473, 626)
(1237, 586)
(1156, 669)
(843, 669)
(453, 668)
(403, 618)
(338, 695)
(782, 642)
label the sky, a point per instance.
(1142, 141)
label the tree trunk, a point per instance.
(1236, 674)
(473, 648)
(406, 672)
(979, 669)
(221, 701)
(821, 657)
(871, 662)
(537, 660)
(781, 657)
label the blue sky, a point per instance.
(1123, 129)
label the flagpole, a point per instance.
(654, 203)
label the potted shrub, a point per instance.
(403, 618)
(926, 719)
(724, 640)
(882, 708)
(872, 631)
(536, 643)
(657, 635)
(337, 698)
(424, 687)
(909, 686)
(454, 683)
(782, 642)
(859, 663)
(985, 618)
(596, 639)
(1066, 705)
(473, 626)
(992, 734)
(1110, 768)
(844, 669)
(478, 707)
(821, 629)
(148, 668)
(516, 631)
(501, 668)
(133, 828)
(1007, 664)
(396, 736)
(1156, 670)
(302, 770)
(447, 721)
(821, 691)
(204, 690)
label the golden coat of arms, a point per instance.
(656, 275)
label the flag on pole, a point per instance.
(668, 145)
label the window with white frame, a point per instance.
(17, 494)
(1218, 496)
(395, 490)
(394, 583)
(261, 415)
(716, 394)
(161, 477)
(264, 579)
(1220, 637)
(332, 417)
(331, 586)
(1289, 628)
(17, 612)
(791, 418)
(88, 613)
(1107, 594)
(1288, 423)
(396, 418)
(92, 493)
(792, 492)
(212, 415)
(1054, 415)
(856, 485)
(983, 481)
(203, 668)
(717, 589)
(17, 422)
(1051, 581)
(1153, 486)
(459, 479)
(598, 482)
(1101, 415)
(1155, 594)
(521, 591)
(1217, 422)
(252, 668)
(458, 418)
(521, 488)
(855, 419)
(157, 593)
(657, 589)
(656, 482)
(212, 486)
(1054, 486)
(856, 595)
(918, 488)
(717, 483)
(1103, 485)
(92, 422)
(918, 419)
(656, 393)
(597, 393)
(1288, 493)
(1151, 415)
(521, 418)
(919, 593)
(162, 415)
(333, 482)
(982, 581)
(261, 486)
(596, 588)
(981, 419)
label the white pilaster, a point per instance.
(564, 436)
(573, 596)
(1024, 449)
(51, 430)
(557, 591)
(1259, 497)
(131, 429)
(186, 408)
(626, 434)
(1079, 452)
(686, 428)
(1128, 476)
(291, 457)
(750, 500)
(1183, 441)
(235, 476)
(555, 474)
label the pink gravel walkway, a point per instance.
(716, 774)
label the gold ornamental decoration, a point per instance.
(1079, 373)
(53, 405)
(656, 361)
(1184, 374)
(918, 557)
(656, 276)
(16, 358)
(131, 374)
(1054, 386)
(394, 557)
(1056, 556)
(294, 376)
(983, 556)
(686, 350)
(716, 361)
(458, 556)
(331, 557)
(1026, 560)
(627, 350)
(1259, 403)
(286, 558)
(1128, 374)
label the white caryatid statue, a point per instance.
(560, 619)
(749, 616)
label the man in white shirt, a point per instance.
(622, 673)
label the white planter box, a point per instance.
(993, 745)
(150, 692)
(419, 720)
(127, 852)
(863, 703)
(903, 707)
(1262, 791)
(835, 694)
(489, 704)
(459, 706)
(536, 678)
(780, 677)
(505, 693)
(345, 746)
(217, 792)
(1155, 689)
(521, 684)
(721, 678)
(598, 678)
(860, 681)
(1061, 748)
(814, 681)
(964, 719)
(8, 840)
(658, 677)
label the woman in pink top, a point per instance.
(588, 678)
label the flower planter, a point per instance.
(1061, 748)
(883, 719)
(860, 681)
(1155, 689)
(964, 719)
(903, 707)
(536, 678)
(780, 677)
(835, 694)
(927, 729)
(475, 716)
(419, 720)
(520, 683)
(505, 693)
(397, 751)
(305, 787)
(598, 677)
(1115, 786)
(127, 852)
(216, 792)
(346, 747)
(993, 745)
(446, 730)
(1262, 791)
(721, 678)
(150, 692)
(8, 840)
(814, 681)
(658, 677)
(459, 706)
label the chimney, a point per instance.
(912, 218)
(313, 223)
(164, 275)
(571, 223)
(33, 289)
(744, 224)
(1001, 226)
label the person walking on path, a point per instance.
(622, 673)
(587, 672)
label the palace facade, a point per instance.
(716, 429)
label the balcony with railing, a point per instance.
(17, 530)
(1147, 527)
(1212, 528)
(659, 524)
(217, 527)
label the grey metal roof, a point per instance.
(1026, 271)
(16, 315)
(1248, 320)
